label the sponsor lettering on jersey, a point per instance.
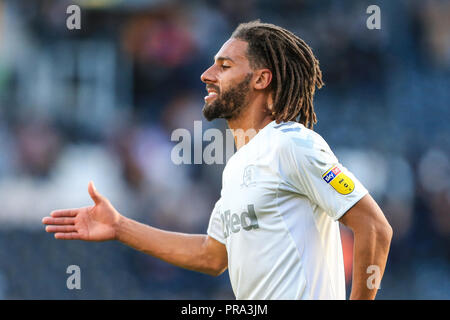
(339, 180)
(233, 222)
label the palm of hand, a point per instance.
(95, 223)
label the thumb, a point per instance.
(95, 195)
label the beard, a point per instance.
(230, 103)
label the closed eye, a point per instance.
(225, 67)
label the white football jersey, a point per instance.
(282, 194)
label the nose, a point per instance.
(208, 76)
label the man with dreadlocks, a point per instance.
(276, 224)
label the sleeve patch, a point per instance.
(338, 180)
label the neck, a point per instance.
(247, 125)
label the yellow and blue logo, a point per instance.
(338, 180)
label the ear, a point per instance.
(263, 79)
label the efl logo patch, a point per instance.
(338, 180)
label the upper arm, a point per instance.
(365, 216)
(216, 253)
(312, 170)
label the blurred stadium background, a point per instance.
(100, 103)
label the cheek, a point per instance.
(225, 81)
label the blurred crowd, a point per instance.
(100, 103)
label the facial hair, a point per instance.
(230, 103)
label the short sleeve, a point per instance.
(313, 170)
(215, 227)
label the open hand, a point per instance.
(94, 223)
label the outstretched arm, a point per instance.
(102, 222)
(372, 237)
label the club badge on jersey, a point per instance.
(338, 180)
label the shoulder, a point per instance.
(296, 137)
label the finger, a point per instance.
(67, 236)
(64, 229)
(95, 195)
(60, 221)
(64, 213)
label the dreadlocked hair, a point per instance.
(295, 69)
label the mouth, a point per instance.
(212, 94)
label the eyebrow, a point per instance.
(222, 58)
